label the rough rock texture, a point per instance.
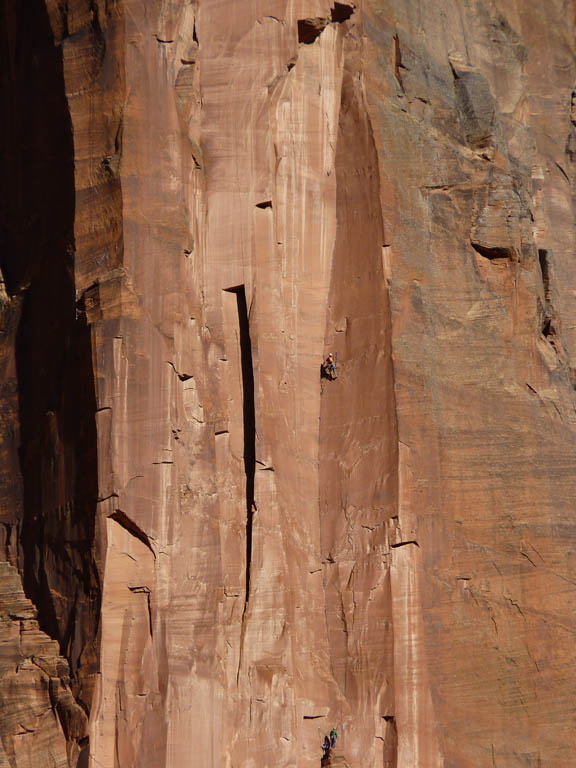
(41, 722)
(224, 554)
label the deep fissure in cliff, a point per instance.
(360, 409)
(548, 329)
(53, 349)
(249, 418)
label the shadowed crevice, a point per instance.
(547, 325)
(53, 347)
(357, 297)
(342, 12)
(492, 252)
(129, 525)
(310, 30)
(249, 419)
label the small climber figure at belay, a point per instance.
(329, 367)
(327, 747)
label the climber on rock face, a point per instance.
(326, 746)
(333, 736)
(330, 366)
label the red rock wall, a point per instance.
(233, 554)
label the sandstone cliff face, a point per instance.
(223, 554)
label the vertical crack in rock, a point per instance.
(249, 419)
(548, 329)
(358, 428)
(143, 590)
(398, 66)
(390, 747)
(53, 346)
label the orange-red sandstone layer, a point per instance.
(231, 563)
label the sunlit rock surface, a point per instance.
(211, 554)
